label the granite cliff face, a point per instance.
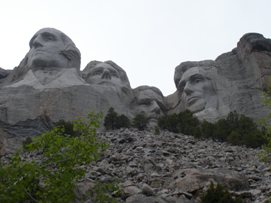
(48, 82)
(234, 81)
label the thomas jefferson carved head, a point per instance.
(105, 73)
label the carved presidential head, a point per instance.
(150, 101)
(196, 83)
(105, 73)
(51, 48)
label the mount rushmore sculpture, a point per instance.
(48, 81)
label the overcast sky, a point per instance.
(147, 38)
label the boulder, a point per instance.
(196, 181)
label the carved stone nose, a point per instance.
(106, 75)
(187, 89)
(156, 109)
(37, 42)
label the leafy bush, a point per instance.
(218, 194)
(140, 121)
(52, 176)
(113, 121)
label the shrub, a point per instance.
(102, 192)
(110, 120)
(207, 129)
(140, 121)
(123, 122)
(67, 127)
(169, 122)
(188, 124)
(51, 177)
(265, 155)
(221, 130)
(113, 121)
(235, 138)
(243, 131)
(157, 130)
(183, 122)
(218, 194)
(236, 129)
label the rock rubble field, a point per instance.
(177, 168)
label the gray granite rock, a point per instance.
(4, 73)
(13, 136)
(235, 81)
(149, 101)
(197, 181)
(248, 68)
(105, 73)
(48, 82)
(142, 198)
(111, 81)
(52, 61)
(174, 168)
(178, 168)
(202, 90)
(69, 103)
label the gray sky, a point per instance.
(147, 38)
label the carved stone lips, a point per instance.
(38, 51)
(192, 99)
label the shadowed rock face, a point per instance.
(150, 101)
(4, 73)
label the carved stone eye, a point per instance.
(96, 71)
(146, 102)
(114, 73)
(181, 85)
(48, 36)
(196, 79)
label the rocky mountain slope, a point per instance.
(177, 168)
(170, 167)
